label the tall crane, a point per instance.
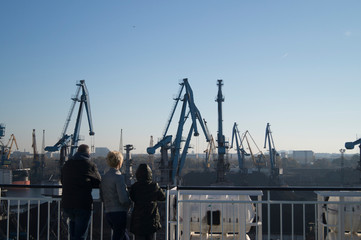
(171, 169)
(272, 150)
(222, 166)
(241, 153)
(71, 141)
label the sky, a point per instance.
(293, 64)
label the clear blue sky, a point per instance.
(294, 64)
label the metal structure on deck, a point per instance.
(204, 213)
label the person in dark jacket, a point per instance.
(145, 194)
(78, 176)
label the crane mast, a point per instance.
(222, 144)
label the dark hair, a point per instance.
(83, 148)
(144, 173)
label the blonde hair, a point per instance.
(114, 158)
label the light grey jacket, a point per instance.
(113, 192)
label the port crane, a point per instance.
(241, 153)
(272, 151)
(171, 169)
(6, 151)
(72, 140)
(260, 161)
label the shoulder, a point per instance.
(154, 185)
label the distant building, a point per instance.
(304, 157)
(18, 154)
(100, 152)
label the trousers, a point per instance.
(118, 223)
(78, 222)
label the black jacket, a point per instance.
(78, 176)
(145, 194)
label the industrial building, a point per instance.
(304, 156)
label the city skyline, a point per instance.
(293, 65)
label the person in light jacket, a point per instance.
(114, 194)
(145, 194)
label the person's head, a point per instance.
(83, 148)
(114, 159)
(143, 173)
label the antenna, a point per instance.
(121, 142)
(43, 144)
(151, 156)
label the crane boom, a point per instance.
(68, 118)
(351, 145)
(12, 140)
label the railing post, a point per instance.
(269, 214)
(167, 215)
(177, 234)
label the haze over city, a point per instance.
(294, 65)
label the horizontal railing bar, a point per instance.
(272, 188)
(270, 202)
(212, 188)
(29, 186)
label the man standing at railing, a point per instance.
(78, 176)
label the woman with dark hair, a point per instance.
(145, 194)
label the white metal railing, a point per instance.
(208, 213)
